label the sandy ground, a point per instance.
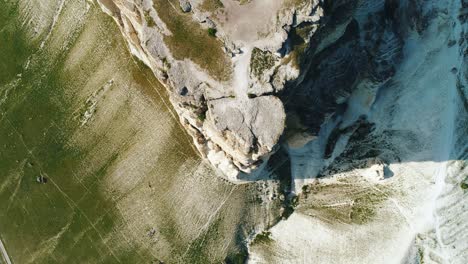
(245, 22)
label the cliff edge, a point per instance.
(224, 63)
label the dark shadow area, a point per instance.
(360, 44)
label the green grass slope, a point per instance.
(123, 183)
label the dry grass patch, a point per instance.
(295, 3)
(341, 203)
(211, 5)
(189, 40)
(261, 61)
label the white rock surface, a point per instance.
(239, 132)
(420, 115)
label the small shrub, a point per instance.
(212, 32)
(149, 20)
(464, 185)
(262, 238)
(202, 117)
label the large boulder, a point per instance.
(185, 5)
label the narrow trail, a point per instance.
(6, 258)
(54, 22)
(446, 148)
(241, 73)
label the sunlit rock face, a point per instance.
(341, 126)
(94, 164)
(224, 64)
(359, 107)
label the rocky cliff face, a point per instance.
(224, 64)
(378, 146)
(359, 106)
(370, 168)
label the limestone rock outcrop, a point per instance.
(185, 5)
(224, 64)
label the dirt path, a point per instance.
(6, 258)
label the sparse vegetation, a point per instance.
(211, 5)
(261, 61)
(345, 203)
(190, 41)
(202, 117)
(295, 3)
(294, 201)
(421, 256)
(251, 95)
(262, 238)
(212, 32)
(304, 31)
(149, 20)
(363, 208)
(298, 41)
(166, 63)
(464, 185)
(140, 63)
(295, 57)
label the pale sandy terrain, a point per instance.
(246, 23)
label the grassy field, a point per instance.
(123, 182)
(67, 219)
